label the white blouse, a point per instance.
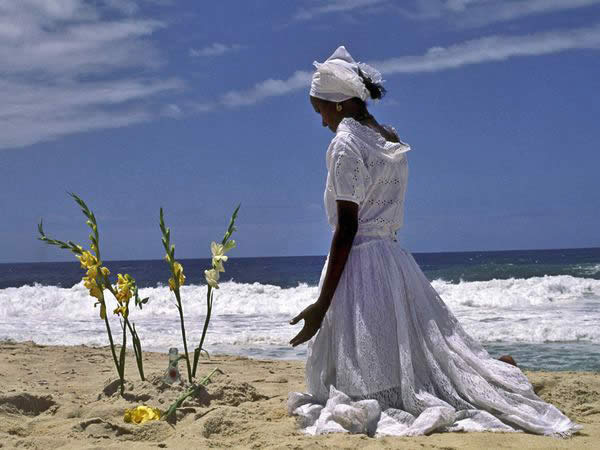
(364, 168)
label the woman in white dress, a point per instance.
(389, 357)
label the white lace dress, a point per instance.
(390, 358)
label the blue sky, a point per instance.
(198, 106)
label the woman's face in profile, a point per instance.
(329, 116)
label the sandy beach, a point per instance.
(64, 397)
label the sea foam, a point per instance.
(252, 317)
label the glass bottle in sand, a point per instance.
(172, 374)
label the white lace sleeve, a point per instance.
(348, 173)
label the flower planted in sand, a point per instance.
(177, 280)
(212, 278)
(96, 280)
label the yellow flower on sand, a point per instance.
(212, 278)
(141, 414)
(178, 269)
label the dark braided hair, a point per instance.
(376, 90)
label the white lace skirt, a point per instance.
(390, 358)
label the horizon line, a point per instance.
(322, 256)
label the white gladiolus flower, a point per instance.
(212, 278)
(218, 264)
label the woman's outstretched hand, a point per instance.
(313, 316)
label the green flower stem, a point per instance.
(170, 249)
(204, 329)
(185, 348)
(137, 348)
(195, 388)
(209, 294)
(137, 345)
(112, 349)
(122, 358)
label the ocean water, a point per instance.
(541, 306)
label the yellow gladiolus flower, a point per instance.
(92, 272)
(179, 272)
(123, 295)
(178, 269)
(124, 287)
(122, 310)
(121, 280)
(96, 292)
(89, 282)
(141, 414)
(212, 278)
(105, 271)
(87, 260)
(92, 285)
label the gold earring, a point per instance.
(338, 107)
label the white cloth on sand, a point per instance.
(390, 358)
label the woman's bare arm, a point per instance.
(341, 244)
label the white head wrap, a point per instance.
(337, 78)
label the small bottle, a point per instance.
(172, 375)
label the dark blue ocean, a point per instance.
(541, 306)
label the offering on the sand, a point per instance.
(141, 414)
(96, 280)
(172, 374)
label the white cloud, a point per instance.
(481, 12)
(334, 6)
(267, 88)
(477, 51)
(493, 48)
(66, 69)
(128, 7)
(461, 12)
(172, 110)
(32, 113)
(215, 49)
